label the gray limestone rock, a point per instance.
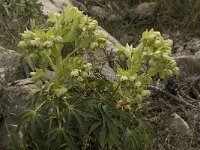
(9, 71)
(189, 65)
(145, 9)
(13, 100)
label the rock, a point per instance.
(54, 6)
(189, 65)
(197, 54)
(80, 5)
(99, 11)
(15, 97)
(15, 93)
(126, 39)
(8, 66)
(114, 17)
(146, 9)
(105, 14)
(179, 125)
(166, 35)
(108, 72)
(193, 45)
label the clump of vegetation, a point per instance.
(76, 110)
(15, 17)
(184, 14)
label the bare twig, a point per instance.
(177, 99)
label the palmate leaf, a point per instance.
(85, 42)
(102, 136)
(95, 126)
(81, 122)
(106, 130)
(71, 36)
(139, 137)
(131, 141)
(16, 143)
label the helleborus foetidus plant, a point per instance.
(150, 58)
(75, 109)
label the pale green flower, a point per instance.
(157, 43)
(59, 39)
(176, 70)
(88, 66)
(145, 93)
(36, 42)
(169, 72)
(123, 78)
(157, 33)
(132, 78)
(152, 63)
(152, 37)
(80, 79)
(48, 44)
(84, 74)
(28, 34)
(75, 73)
(33, 42)
(22, 44)
(138, 97)
(137, 84)
(32, 73)
(169, 43)
(128, 51)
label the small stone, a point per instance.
(98, 11)
(189, 65)
(179, 124)
(146, 9)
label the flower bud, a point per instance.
(123, 78)
(169, 72)
(80, 79)
(48, 44)
(88, 66)
(75, 73)
(32, 73)
(138, 97)
(127, 52)
(137, 84)
(157, 54)
(157, 43)
(22, 44)
(145, 93)
(152, 63)
(59, 39)
(84, 74)
(132, 78)
(122, 57)
(93, 45)
(169, 42)
(176, 70)
(157, 33)
(173, 62)
(152, 37)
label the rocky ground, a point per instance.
(174, 106)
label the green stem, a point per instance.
(114, 91)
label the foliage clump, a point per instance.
(75, 109)
(178, 14)
(15, 17)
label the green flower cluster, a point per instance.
(59, 48)
(150, 58)
(70, 32)
(76, 110)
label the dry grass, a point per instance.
(15, 17)
(182, 14)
